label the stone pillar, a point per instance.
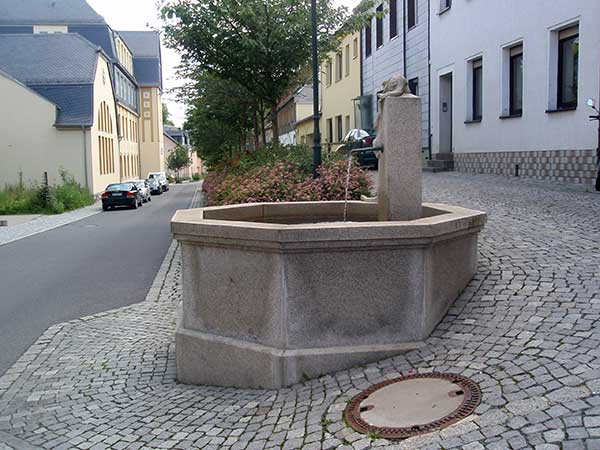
(400, 168)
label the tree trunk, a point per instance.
(261, 115)
(275, 123)
(256, 129)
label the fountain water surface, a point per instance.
(274, 293)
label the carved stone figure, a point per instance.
(394, 87)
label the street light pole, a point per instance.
(316, 112)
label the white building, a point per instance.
(396, 44)
(510, 81)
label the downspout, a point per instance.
(429, 77)
(404, 11)
(85, 158)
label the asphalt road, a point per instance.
(100, 263)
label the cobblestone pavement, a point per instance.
(45, 223)
(527, 329)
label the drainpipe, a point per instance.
(85, 158)
(404, 9)
(429, 77)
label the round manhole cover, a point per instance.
(413, 405)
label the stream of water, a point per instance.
(347, 186)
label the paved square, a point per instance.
(527, 329)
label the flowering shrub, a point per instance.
(284, 181)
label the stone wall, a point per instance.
(575, 166)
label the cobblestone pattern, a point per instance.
(527, 329)
(574, 166)
(45, 223)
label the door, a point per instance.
(446, 113)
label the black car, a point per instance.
(359, 138)
(121, 194)
(154, 186)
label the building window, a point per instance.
(568, 68)
(393, 18)
(368, 40)
(328, 73)
(477, 93)
(413, 85)
(379, 26)
(330, 130)
(340, 128)
(347, 61)
(355, 48)
(445, 4)
(338, 66)
(347, 123)
(411, 13)
(516, 81)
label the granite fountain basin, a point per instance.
(275, 293)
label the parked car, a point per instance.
(154, 186)
(144, 190)
(121, 194)
(359, 138)
(162, 179)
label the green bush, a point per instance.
(196, 177)
(37, 199)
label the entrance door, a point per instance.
(446, 113)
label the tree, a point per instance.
(262, 45)
(219, 116)
(178, 159)
(166, 115)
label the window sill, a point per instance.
(412, 28)
(393, 38)
(563, 109)
(511, 116)
(445, 10)
(468, 122)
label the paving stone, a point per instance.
(525, 329)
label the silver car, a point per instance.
(162, 179)
(144, 190)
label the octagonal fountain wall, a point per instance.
(279, 292)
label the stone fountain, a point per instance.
(275, 293)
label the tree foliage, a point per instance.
(166, 115)
(178, 159)
(262, 45)
(219, 116)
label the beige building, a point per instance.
(58, 111)
(174, 137)
(146, 60)
(134, 74)
(296, 106)
(340, 86)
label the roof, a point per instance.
(62, 58)
(60, 67)
(145, 48)
(172, 130)
(143, 44)
(100, 35)
(165, 134)
(50, 12)
(75, 103)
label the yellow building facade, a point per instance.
(152, 144)
(340, 85)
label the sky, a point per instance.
(137, 15)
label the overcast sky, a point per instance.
(137, 15)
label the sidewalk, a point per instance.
(527, 329)
(40, 224)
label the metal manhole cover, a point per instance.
(413, 405)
